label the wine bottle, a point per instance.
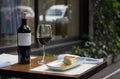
(24, 41)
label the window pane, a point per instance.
(63, 15)
(10, 19)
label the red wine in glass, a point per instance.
(44, 40)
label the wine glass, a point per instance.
(44, 35)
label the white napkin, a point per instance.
(4, 63)
(9, 59)
(93, 60)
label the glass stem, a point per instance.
(43, 58)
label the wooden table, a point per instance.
(23, 71)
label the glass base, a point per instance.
(42, 62)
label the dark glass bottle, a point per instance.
(24, 42)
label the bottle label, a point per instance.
(24, 39)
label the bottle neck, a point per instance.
(24, 21)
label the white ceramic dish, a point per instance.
(56, 65)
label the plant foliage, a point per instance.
(106, 21)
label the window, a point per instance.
(69, 20)
(10, 19)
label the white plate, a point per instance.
(56, 65)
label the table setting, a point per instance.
(81, 65)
